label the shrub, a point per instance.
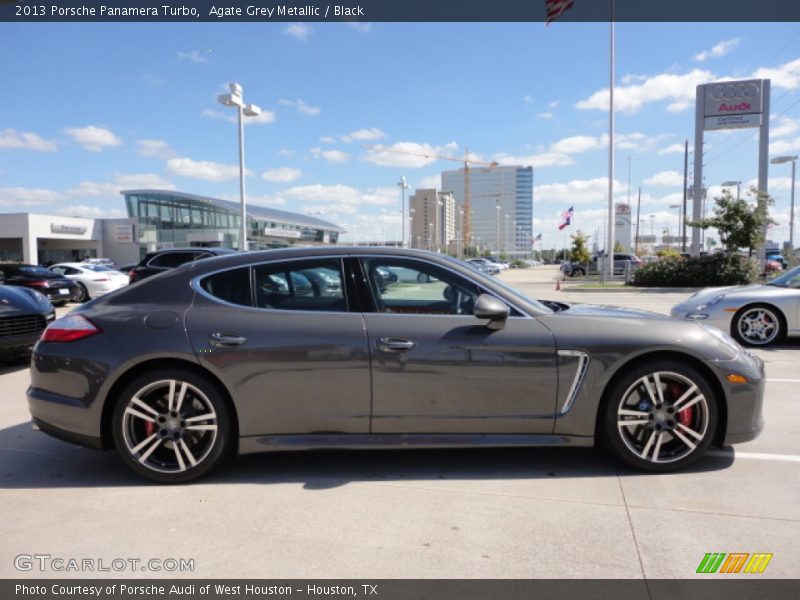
(697, 271)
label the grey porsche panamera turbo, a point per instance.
(315, 348)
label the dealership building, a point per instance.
(156, 219)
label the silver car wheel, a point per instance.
(663, 417)
(169, 426)
(758, 326)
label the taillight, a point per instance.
(132, 275)
(69, 329)
(43, 283)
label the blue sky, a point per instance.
(89, 109)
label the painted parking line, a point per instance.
(783, 380)
(755, 455)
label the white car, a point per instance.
(93, 280)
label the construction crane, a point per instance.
(466, 225)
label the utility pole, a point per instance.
(685, 183)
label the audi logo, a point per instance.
(729, 91)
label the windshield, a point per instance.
(790, 279)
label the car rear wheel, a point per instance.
(172, 426)
(660, 417)
(757, 325)
(577, 273)
(81, 295)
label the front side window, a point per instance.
(408, 286)
(170, 260)
(301, 285)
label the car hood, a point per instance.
(598, 310)
(14, 299)
(750, 291)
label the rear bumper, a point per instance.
(68, 436)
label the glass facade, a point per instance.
(173, 219)
(501, 199)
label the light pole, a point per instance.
(778, 160)
(497, 229)
(678, 206)
(248, 110)
(403, 187)
(505, 245)
(738, 185)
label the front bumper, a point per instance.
(745, 420)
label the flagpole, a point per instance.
(610, 243)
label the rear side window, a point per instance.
(231, 286)
(301, 285)
(170, 260)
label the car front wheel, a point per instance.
(172, 426)
(757, 326)
(660, 417)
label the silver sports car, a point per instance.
(757, 315)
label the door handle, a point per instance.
(225, 340)
(387, 344)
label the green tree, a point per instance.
(579, 252)
(618, 247)
(739, 224)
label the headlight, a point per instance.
(715, 300)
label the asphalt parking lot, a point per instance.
(497, 513)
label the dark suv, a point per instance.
(574, 269)
(165, 260)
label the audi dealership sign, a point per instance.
(733, 104)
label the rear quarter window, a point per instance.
(230, 286)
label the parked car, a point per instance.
(106, 262)
(24, 314)
(621, 260)
(165, 260)
(772, 266)
(500, 263)
(92, 279)
(126, 269)
(181, 370)
(756, 315)
(488, 266)
(58, 289)
(776, 256)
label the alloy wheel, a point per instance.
(663, 417)
(758, 326)
(169, 426)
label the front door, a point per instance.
(436, 368)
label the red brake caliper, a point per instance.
(684, 416)
(149, 428)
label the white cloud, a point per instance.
(11, 138)
(786, 126)
(92, 212)
(537, 161)
(407, 154)
(286, 152)
(579, 143)
(284, 174)
(675, 149)
(202, 169)
(93, 138)
(195, 56)
(718, 50)
(528, 99)
(679, 89)
(546, 115)
(665, 179)
(259, 200)
(554, 104)
(364, 135)
(430, 182)
(785, 146)
(332, 156)
(359, 26)
(121, 181)
(340, 198)
(298, 30)
(301, 106)
(20, 196)
(156, 148)
(786, 76)
(326, 139)
(577, 191)
(266, 117)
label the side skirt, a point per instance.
(331, 441)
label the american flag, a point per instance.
(538, 238)
(567, 216)
(556, 8)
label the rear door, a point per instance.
(283, 339)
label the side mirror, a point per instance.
(489, 307)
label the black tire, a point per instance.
(185, 443)
(577, 272)
(82, 295)
(758, 325)
(658, 437)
